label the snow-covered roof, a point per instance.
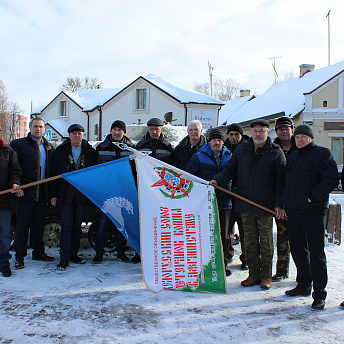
(182, 94)
(90, 99)
(287, 96)
(232, 106)
(60, 125)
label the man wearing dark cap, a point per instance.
(34, 154)
(73, 154)
(284, 130)
(156, 143)
(108, 151)
(258, 166)
(311, 174)
(208, 161)
(235, 138)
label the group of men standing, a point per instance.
(290, 175)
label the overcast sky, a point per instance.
(44, 41)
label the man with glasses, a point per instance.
(258, 166)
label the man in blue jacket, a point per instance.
(311, 174)
(34, 155)
(208, 161)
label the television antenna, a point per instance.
(211, 78)
(273, 62)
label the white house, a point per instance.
(144, 98)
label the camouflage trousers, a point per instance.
(283, 251)
(258, 245)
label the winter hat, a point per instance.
(155, 121)
(284, 121)
(304, 129)
(235, 127)
(119, 124)
(76, 127)
(260, 121)
(216, 134)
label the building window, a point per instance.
(63, 109)
(337, 149)
(96, 129)
(325, 103)
(141, 99)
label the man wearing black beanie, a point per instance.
(311, 174)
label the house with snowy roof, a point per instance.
(142, 99)
(315, 97)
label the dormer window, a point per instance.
(63, 109)
(325, 103)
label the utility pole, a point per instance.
(273, 62)
(328, 25)
(211, 78)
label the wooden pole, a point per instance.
(244, 199)
(32, 184)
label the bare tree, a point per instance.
(75, 83)
(9, 116)
(223, 89)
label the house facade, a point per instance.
(144, 98)
(315, 98)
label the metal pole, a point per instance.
(328, 38)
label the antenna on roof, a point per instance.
(328, 25)
(211, 78)
(274, 66)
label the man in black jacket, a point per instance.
(258, 166)
(73, 154)
(9, 178)
(156, 143)
(311, 174)
(189, 145)
(284, 127)
(235, 138)
(34, 155)
(108, 151)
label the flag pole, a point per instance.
(244, 199)
(31, 184)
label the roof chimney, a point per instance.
(305, 68)
(245, 93)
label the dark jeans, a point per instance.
(236, 217)
(5, 237)
(71, 218)
(30, 216)
(224, 216)
(101, 235)
(306, 230)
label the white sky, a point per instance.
(44, 41)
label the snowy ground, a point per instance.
(108, 303)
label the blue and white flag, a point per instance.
(111, 187)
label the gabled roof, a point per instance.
(287, 96)
(60, 126)
(89, 100)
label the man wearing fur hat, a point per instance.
(258, 166)
(73, 154)
(208, 161)
(311, 174)
(108, 151)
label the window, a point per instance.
(337, 149)
(325, 103)
(96, 129)
(141, 99)
(63, 109)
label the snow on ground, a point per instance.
(108, 303)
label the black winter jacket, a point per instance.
(62, 163)
(292, 149)
(28, 157)
(10, 172)
(260, 178)
(311, 172)
(107, 151)
(160, 148)
(232, 147)
(184, 152)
